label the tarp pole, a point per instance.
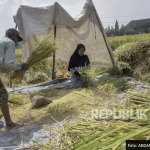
(54, 54)
(16, 27)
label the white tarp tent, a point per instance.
(86, 28)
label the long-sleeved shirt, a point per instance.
(7, 56)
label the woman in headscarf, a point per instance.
(78, 59)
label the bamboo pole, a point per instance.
(54, 55)
(16, 27)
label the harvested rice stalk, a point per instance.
(145, 96)
(87, 74)
(17, 99)
(138, 98)
(104, 135)
(138, 102)
(38, 55)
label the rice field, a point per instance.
(117, 41)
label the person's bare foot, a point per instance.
(1, 115)
(14, 125)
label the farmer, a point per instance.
(78, 59)
(7, 59)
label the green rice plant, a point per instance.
(118, 41)
(39, 53)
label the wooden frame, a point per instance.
(54, 54)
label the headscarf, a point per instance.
(76, 60)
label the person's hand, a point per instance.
(26, 66)
(77, 73)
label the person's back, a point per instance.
(4, 43)
(7, 55)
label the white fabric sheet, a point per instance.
(86, 28)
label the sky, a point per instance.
(109, 11)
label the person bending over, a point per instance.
(7, 59)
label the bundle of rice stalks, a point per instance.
(43, 65)
(62, 74)
(87, 75)
(17, 99)
(38, 55)
(139, 98)
(116, 41)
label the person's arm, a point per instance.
(86, 68)
(72, 70)
(89, 65)
(9, 58)
(88, 62)
(71, 66)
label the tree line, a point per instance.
(134, 27)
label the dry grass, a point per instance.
(86, 133)
(79, 102)
(65, 102)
